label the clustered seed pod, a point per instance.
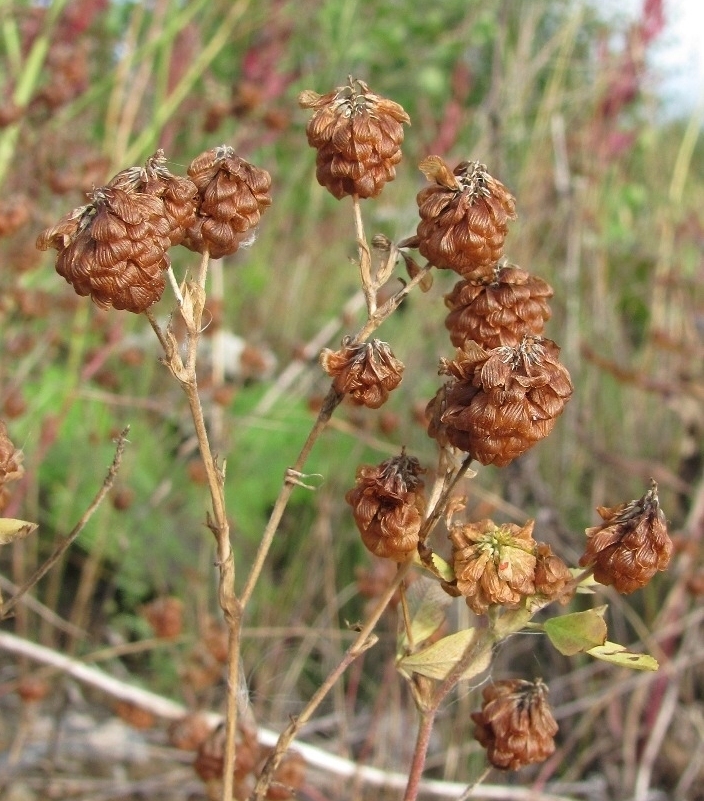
(493, 564)
(502, 401)
(165, 616)
(113, 249)
(178, 194)
(388, 503)
(464, 218)
(516, 724)
(233, 194)
(551, 575)
(11, 468)
(367, 371)
(14, 213)
(631, 545)
(358, 137)
(498, 311)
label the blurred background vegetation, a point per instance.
(560, 106)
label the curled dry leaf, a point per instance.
(12, 530)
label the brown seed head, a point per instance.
(464, 218)
(14, 213)
(178, 194)
(210, 759)
(498, 311)
(113, 249)
(493, 564)
(503, 400)
(232, 196)
(515, 724)
(11, 468)
(367, 372)
(388, 503)
(358, 137)
(165, 616)
(631, 545)
(551, 574)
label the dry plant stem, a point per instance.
(192, 313)
(428, 714)
(365, 261)
(438, 509)
(362, 643)
(61, 548)
(331, 402)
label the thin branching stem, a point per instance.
(362, 643)
(61, 548)
(369, 286)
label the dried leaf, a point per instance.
(438, 659)
(577, 632)
(11, 530)
(618, 655)
(435, 169)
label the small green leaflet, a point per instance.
(11, 530)
(427, 603)
(618, 655)
(437, 566)
(577, 632)
(438, 659)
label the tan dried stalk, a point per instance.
(185, 373)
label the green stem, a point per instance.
(28, 78)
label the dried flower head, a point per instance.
(10, 465)
(232, 196)
(498, 311)
(551, 574)
(367, 372)
(464, 218)
(14, 213)
(388, 504)
(210, 759)
(178, 194)
(113, 249)
(631, 545)
(502, 401)
(358, 137)
(515, 724)
(493, 564)
(165, 616)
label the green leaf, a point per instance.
(618, 655)
(11, 530)
(426, 603)
(510, 622)
(436, 565)
(438, 659)
(578, 631)
(587, 585)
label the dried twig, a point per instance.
(65, 543)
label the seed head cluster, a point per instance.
(367, 371)
(11, 468)
(631, 545)
(388, 503)
(515, 724)
(357, 135)
(114, 248)
(503, 565)
(500, 402)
